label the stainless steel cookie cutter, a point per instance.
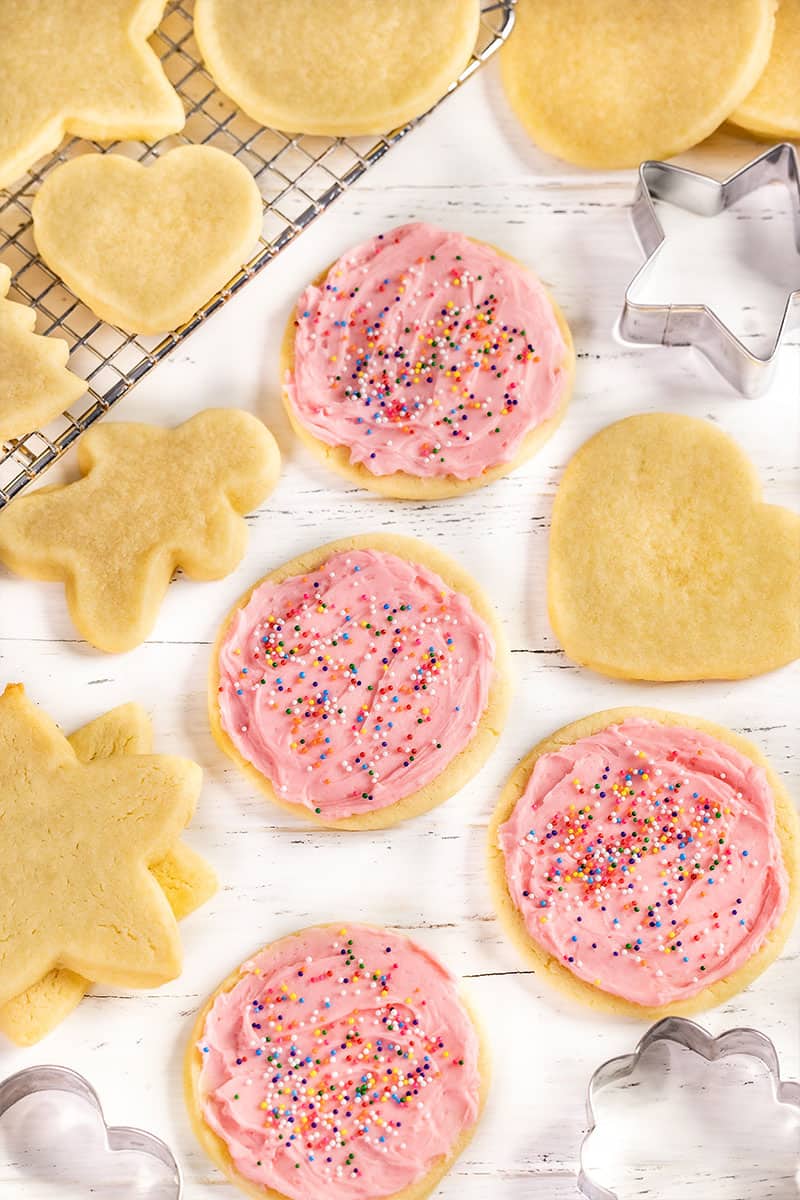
(696, 1039)
(696, 324)
(117, 1137)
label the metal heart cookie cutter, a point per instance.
(692, 1037)
(118, 1138)
(696, 324)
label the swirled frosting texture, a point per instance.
(355, 685)
(645, 858)
(340, 1066)
(427, 353)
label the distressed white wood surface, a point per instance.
(470, 167)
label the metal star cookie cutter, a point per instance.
(696, 324)
(699, 1041)
(117, 1137)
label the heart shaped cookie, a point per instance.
(146, 247)
(665, 563)
(79, 67)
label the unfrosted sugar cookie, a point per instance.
(77, 840)
(772, 110)
(609, 83)
(665, 562)
(362, 683)
(35, 384)
(646, 861)
(79, 67)
(425, 364)
(145, 247)
(185, 878)
(335, 66)
(342, 1062)
(149, 501)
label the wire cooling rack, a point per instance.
(299, 178)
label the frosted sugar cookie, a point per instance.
(612, 82)
(146, 247)
(665, 562)
(35, 385)
(342, 1062)
(362, 683)
(425, 364)
(646, 861)
(335, 66)
(772, 110)
(79, 67)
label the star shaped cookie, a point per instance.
(185, 878)
(35, 385)
(79, 67)
(77, 840)
(151, 500)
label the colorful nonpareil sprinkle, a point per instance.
(341, 1064)
(427, 353)
(355, 685)
(645, 858)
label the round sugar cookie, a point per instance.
(772, 110)
(646, 861)
(362, 683)
(609, 83)
(397, 1069)
(424, 364)
(335, 67)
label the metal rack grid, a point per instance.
(299, 178)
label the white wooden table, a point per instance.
(470, 166)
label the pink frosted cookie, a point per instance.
(425, 364)
(362, 683)
(339, 1062)
(648, 861)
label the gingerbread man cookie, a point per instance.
(150, 500)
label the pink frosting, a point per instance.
(425, 352)
(340, 1065)
(646, 860)
(355, 685)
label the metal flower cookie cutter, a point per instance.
(696, 324)
(117, 1139)
(688, 1036)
